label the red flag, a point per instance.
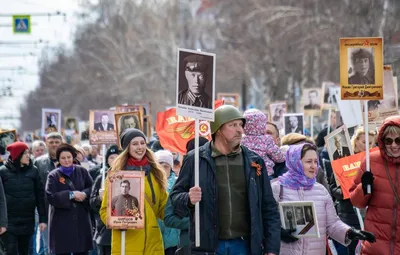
(175, 131)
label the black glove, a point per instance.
(355, 234)
(367, 179)
(286, 235)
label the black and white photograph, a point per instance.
(51, 121)
(128, 120)
(329, 99)
(361, 65)
(28, 137)
(276, 112)
(102, 127)
(338, 144)
(293, 123)
(104, 121)
(299, 216)
(195, 84)
(71, 126)
(6, 137)
(312, 101)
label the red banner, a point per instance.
(175, 131)
(346, 169)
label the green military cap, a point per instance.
(195, 63)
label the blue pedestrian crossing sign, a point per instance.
(22, 24)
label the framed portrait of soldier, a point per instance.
(102, 127)
(51, 121)
(361, 68)
(311, 101)
(338, 144)
(125, 200)
(230, 98)
(195, 87)
(329, 99)
(7, 137)
(127, 120)
(299, 217)
(293, 123)
(276, 112)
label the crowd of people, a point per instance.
(52, 198)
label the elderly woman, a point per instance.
(137, 157)
(383, 202)
(68, 189)
(299, 184)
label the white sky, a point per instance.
(55, 30)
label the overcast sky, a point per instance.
(55, 29)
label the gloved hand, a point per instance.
(367, 179)
(355, 234)
(286, 236)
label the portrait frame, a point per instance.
(306, 223)
(371, 88)
(300, 120)
(71, 131)
(119, 118)
(234, 98)
(147, 127)
(343, 133)
(12, 135)
(306, 104)
(119, 217)
(49, 125)
(272, 108)
(28, 137)
(329, 100)
(186, 109)
(130, 108)
(97, 136)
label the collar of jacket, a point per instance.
(10, 165)
(216, 153)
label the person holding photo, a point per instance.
(135, 156)
(299, 184)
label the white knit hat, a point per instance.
(164, 156)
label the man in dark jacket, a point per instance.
(24, 192)
(45, 164)
(237, 208)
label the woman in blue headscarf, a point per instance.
(299, 184)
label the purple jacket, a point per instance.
(258, 141)
(329, 223)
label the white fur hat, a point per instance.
(164, 156)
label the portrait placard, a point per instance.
(276, 112)
(338, 144)
(361, 68)
(102, 127)
(6, 137)
(293, 123)
(311, 101)
(28, 137)
(125, 200)
(329, 90)
(230, 98)
(51, 121)
(195, 84)
(127, 120)
(301, 217)
(130, 108)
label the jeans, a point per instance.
(233, 247)
(16, 244)
(33, 248)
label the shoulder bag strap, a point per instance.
(68, 180)
(391, 182)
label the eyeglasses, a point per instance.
(389, 141)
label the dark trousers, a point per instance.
(16, 244)
(103, 249)
(170, 251)
(76, 253)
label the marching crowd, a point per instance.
(247, 168)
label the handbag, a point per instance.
(391, 182)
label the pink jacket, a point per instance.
(328, 222)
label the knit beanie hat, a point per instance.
(128, 135)
(112, 150)
(164, 156)
(16, 149)
(65, 147)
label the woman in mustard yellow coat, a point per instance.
(136, 156)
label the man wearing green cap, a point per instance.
(195, 73)
(363, 67)
(238, 214)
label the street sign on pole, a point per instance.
(21, 24)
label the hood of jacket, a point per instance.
(390, 121)
(256, 122)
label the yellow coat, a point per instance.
(143, 241)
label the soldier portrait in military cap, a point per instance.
(195, 83)
(361, 66)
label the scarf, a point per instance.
(295, 178)
(143, 164)
(67, 170)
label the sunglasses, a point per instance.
(389, 141)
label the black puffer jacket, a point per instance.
(24, 192)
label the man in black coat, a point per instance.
(341, 151)
(24, 192)
(103, 125)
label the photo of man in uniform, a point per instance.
(129, 121)
(341, 151)
(125, 204)
(300, 216)
(363, 67)
(313, 101)
(195, 70)
(104, 125)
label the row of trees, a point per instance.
(126, 51)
